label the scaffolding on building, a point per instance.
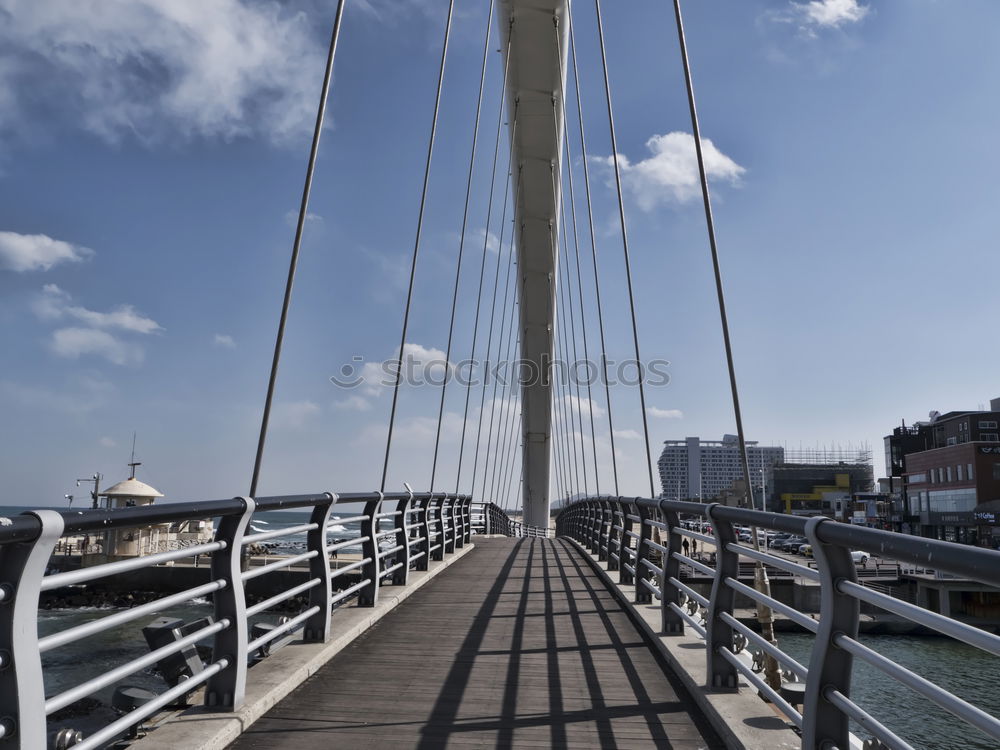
(832, 454)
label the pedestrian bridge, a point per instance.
(443, 623)
(456, 625)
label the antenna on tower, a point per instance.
(132, 462)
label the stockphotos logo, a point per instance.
(415, 371)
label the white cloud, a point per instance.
(353, 403)
(670, 174)
(148, 68)
(394, 11)
(664, 413)
(583, 406)
(491, 240)
(224, 340)
(829, 13)
(292, 217)
(37, 252)
(107, 442)
(420, 365)
(292, 414)
(54, 304)
(73, 342)
(627, 435)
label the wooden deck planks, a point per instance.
(516, 645)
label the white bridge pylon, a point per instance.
(537, 31)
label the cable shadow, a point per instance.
(445, 710)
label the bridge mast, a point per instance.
(538, 31)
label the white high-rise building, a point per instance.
(696, 469)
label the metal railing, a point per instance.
(492, 519)
(399, 532)
(622, 533)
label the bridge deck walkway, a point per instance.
(518, 644)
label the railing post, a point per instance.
(225, 689)
(603, 537)
(823, 724)
(371, 570)
(458, 510)
(614, 535)
(671, 622)
(624, 577)
(487, 519)
(22, 690)
(423, 562)
(467, 507)
(317, 627)
(401, 575)
(618, 538)
(642, 594)
(437, 503)
(721, 674)
(593, 538)
(449, 525)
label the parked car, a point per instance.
(806, 550)
(859, 557)
(792, 544)
(777, 539)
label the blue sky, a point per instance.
(152, 155)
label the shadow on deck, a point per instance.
(518, 644)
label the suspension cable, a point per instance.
(500, 464)
(576, 245)
(511, 439)
(559, 403)
(506, 423)
(771, 668)
(593, 246)
(296, 244)
(489, 340)
(519, 457)
(512, 273)
(461, 242)
(583, 317)
(416, 242)
(506, 418)
(571, 454)
(482, 265)
(571, 372)
(628, 264)
(710, 224)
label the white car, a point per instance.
(860, 557)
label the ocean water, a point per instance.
(971, 674)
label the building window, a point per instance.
(952, 501)
(949, 473)
(953, 441)
(969, 467)
(916, 479)
(960, 471)
(989, 437)
(996, 471)
(987, 425)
